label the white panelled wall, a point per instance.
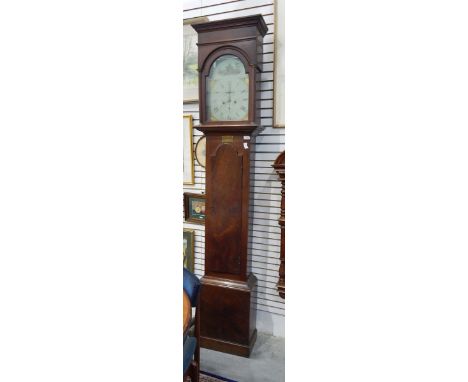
(264, 236)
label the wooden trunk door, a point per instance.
(225, 188)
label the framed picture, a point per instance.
(188, 151)
(279, 65)
(189, 249)
(200, 151)
(194, 208)
(191, 59)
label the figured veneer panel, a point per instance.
(232, 303)
(233, 306)
(225, 211)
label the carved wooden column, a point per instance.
(279, 166)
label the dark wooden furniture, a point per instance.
(227, 304)
(279, 167)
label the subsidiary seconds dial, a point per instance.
(227, 96)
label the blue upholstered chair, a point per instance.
(191, 286)
(192, 341)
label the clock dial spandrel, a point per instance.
(227, 94)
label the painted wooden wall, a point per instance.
(264, 238)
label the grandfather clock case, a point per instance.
(229, 64)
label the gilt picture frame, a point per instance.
(194, 208)
(189, 170)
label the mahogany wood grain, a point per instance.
(227, 241)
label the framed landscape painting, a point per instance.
(191, 60)
(189, 249)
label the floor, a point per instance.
(266, 363)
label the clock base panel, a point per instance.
(228, 315)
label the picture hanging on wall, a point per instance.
(188, 150)
(189, 249)
(194, 208)
(191, 60)
(279, 65)
(200, 151)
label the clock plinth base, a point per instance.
(228, 315)
(229, 347)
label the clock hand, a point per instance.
(229, 101)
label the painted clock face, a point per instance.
(227, 90)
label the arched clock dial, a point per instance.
(227, 94)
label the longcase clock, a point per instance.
(229, 62)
